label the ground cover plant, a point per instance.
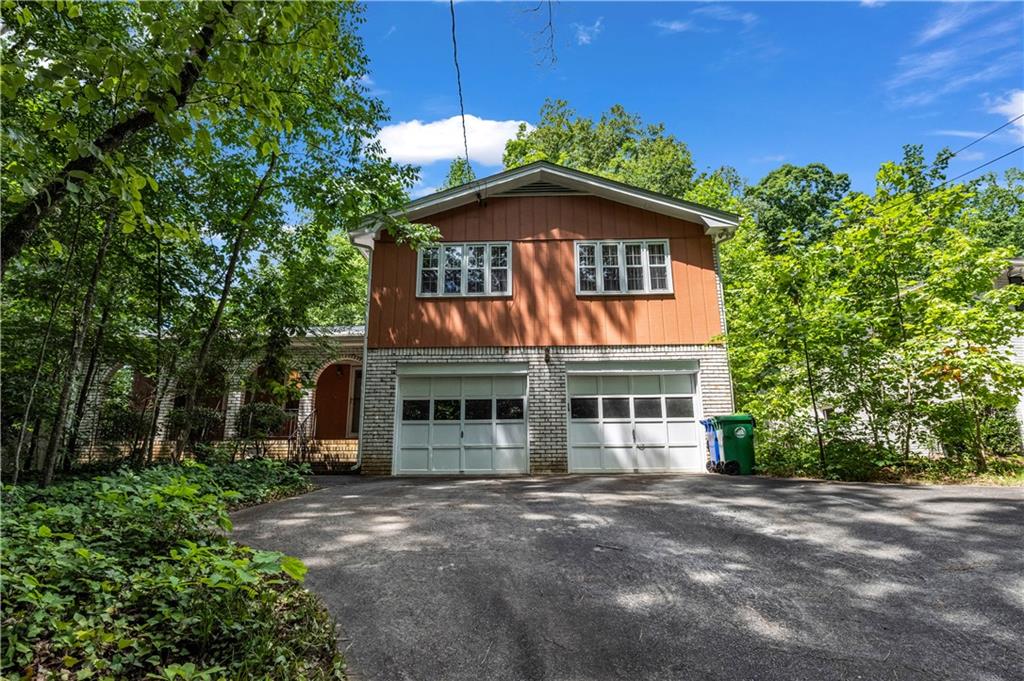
(131, 576)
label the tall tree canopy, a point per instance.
(618, 146)
(800, 198)
(179, 179)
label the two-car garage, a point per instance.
(620, 417)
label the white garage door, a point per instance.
(473, 425)
(634, 423)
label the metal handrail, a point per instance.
(299, 440)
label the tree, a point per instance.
(162, 254)
(890, 318)
(800, 198)
(1000, 210)
(618, 146)
(460, 172)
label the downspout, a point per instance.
(366, 252)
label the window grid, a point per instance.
(464, 270)
(623, 267)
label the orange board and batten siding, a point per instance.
(544, 309)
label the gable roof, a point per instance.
(543, 178)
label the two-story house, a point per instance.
(564, 323)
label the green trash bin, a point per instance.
(737, 438)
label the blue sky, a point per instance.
(751, 85)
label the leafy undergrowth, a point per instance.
(854, 466)
(129, 576)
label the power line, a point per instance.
(458, 80)
(952, 179)
(988, 134)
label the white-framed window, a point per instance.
(617, 267)
(466, 269)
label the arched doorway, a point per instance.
(337, 401)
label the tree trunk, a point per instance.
(87, 380)
(54, 306)
(23, 224)
(214, 325)
(78, 337)
(814, 405)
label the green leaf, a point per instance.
(44, 531)
(294, 568)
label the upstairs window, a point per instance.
(631, 267)
(465, 270)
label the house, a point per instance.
(565, 323)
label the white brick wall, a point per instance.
(547, 391)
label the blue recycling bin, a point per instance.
(715, 455)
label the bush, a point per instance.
(129, 576)
(203, 420)
(260, 420)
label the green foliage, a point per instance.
(201, 420)
(887, 312)
(129, 576)
(999, 203)
(618, 146)
(259, 420)
(803, 199)
(460, 172)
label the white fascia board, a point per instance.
(717, 226)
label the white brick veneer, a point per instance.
(547, 391)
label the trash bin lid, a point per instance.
(735, 418)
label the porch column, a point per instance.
(305, 404)
(234, 403)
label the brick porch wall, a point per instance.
(548, 439)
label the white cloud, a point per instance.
(770, 158)
(585, 33)
(724, 13)
(674, 26)
(966, 134)
(419, 142)
(950, 18)
(966, 52)
(872, 3)
(712, 13)
(1011, 106)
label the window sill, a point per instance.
(625, 294)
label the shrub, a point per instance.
(260, 420)
(130, 576)
(202, 421)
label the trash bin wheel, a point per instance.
(731, 468)
(710, 465)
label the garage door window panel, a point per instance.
(679, 407)
(615, 408)
(447, 410)
(583, 408)
(478, 410)
(415, 410)
(510, 409)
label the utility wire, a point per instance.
(952, 179)
(988, 134)
(964, 174)
(458, 81)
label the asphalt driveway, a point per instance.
(695, 577)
